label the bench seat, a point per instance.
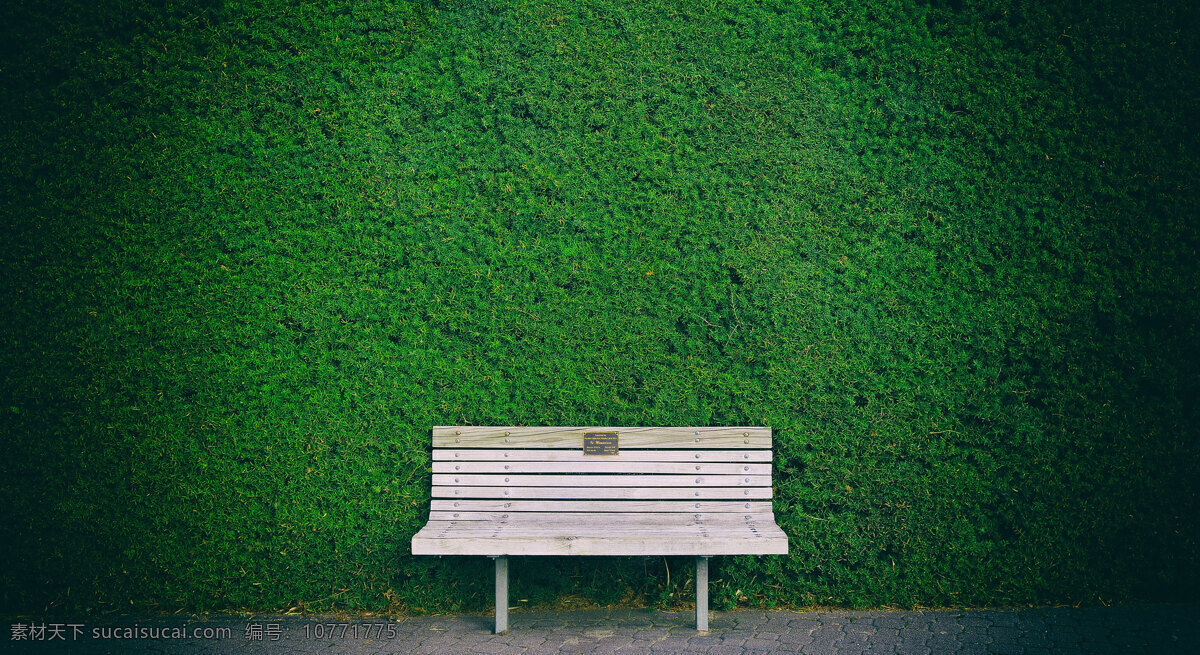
(619, 491)
(598, 533)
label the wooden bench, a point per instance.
(501, 491)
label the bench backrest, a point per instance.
(482, 471)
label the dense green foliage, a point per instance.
(254, 250)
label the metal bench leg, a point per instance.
(702, 593)
(501, 594)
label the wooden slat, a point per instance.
(632, 493)
(574, 506)
(588, 481)
(614, 530)
(560, 455)
(451, 436)
(653, 546)
(689, 540)
(615, 519)
(615, 526)
(684, 468)
(611, 525)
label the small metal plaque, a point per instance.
(600, 443)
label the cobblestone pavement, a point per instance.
(1131, 629)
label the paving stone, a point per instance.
(1004, 633)
(1006, 619)
(670, 644)
(945, 625)
(805, 624)
(912, 648)
(1005, 648)
(1061, 617)
(748, 619)
(975, 619)
(852, 640)
(825, 639)
(503, 649)
(775, 623)
(760, 643)
(796, 637)
(712, 639)
(1037, 638)
(611, 644)
(942, 643)
(724, 649)
(896, 622)
(975, 636)
(885, 635)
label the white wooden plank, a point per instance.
(469, 529)
(683, 468)
(465, 436)
(632, 493)
(587, 480)
(573, 519)
(704, 506)
(562, 455)
(614, 519)
(599, 525)
(662, 545)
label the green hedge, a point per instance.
(254, 251)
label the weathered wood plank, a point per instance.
(661, 545)
(704, 506)
(561, 455)
(603, 525)
(465, 436)
(469, 529)
(613, 519)
(632, 493)
(683, 468)
(588, 480)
